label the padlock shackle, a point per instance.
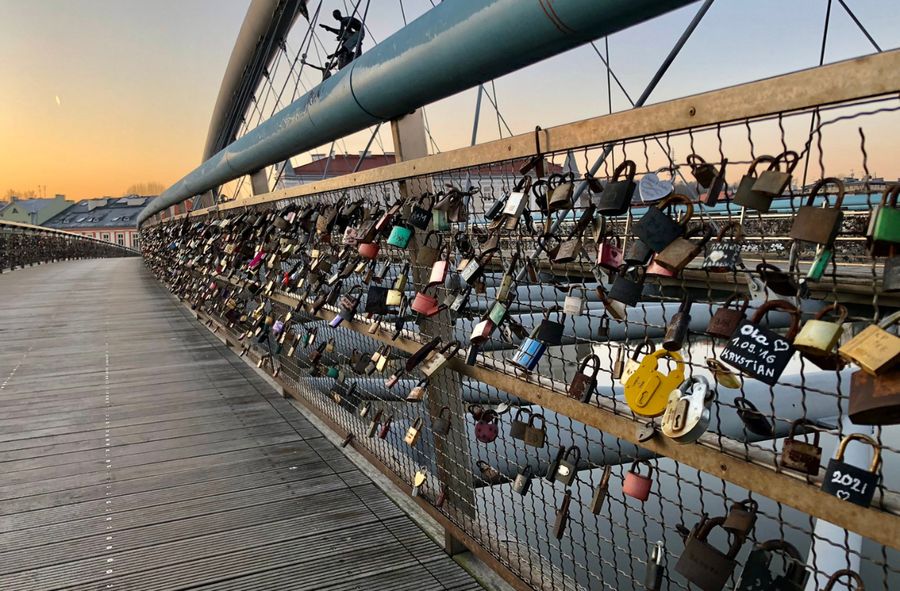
(444, 408)
(535, 416)
(523, 185)
(734, 297)
(634, 465)
(805, 423)
(889, 197)
(790, 159)
(780, 545)
(734, 227)
(707, 525)
(889, 320)
(440, 237)
(645, 343)
(674, 199)
(577, 451)
(705, 231)
(695, 161)
(784, 307)
(821, 184)
(846, 572)
(584, 363)
(628, 167)
(842, 447)
(836, 308)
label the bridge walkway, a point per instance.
(137, 452)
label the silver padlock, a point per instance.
(574, 304)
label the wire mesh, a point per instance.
(276, 277)
(22, 245)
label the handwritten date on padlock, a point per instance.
(758, 352)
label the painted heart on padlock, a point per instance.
(652, 188)
(842, 494)
(781, 345)
(485, 432)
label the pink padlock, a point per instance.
(486, 429)
(609, 255)
(655, 268)
(425, 304)
(637, 485)
(256, 260)
(368, 250)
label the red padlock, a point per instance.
(486, 429)
(655, 268)
(637, 485)
(256, 260)
(368, 250)
(609, 255)
(425, 304)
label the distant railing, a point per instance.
(272, 275)
(23, 245)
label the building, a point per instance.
(111, 219)
(323, 167)
(33, 211)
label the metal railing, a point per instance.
(24, 245)
(276, 309)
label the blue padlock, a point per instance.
(400, 235)
(529, 353)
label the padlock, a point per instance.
(400, 235)
(419, 479)
(376, 300)
(652, 188)
(638, 254)
(761, 352)
(849, 483)
(754, 420)
(442, 497)
(574, 305)
(584, 385)
(677, 328)
(425, 304)
(687, 412)
(704, 172)
(385, 427)
(883, 231)
(562, 516)
(570, 248)
(618, 366)
(741, 518)
(711, 197)
(819, 225)
(498, 313)
(440, 267)
(723, 376)
(486, 429)
(609, 254)
(474, 269)
(414, 432)
(517, 200)
(506, 282)
(618, 192)
(819, 337)
(427, 253)
(725, 255)
(439, 358)
(776, 280)
(440, 425)
(656, 229)
(348, 306)
(745, 196)
(368, 250)
(496, 208)
(772, 182)
(647, 390)
(567, 467)
(562, 186)
(628, 285)
(726, 320)
(535, 436)
(800, 455)
(823, 257)
(875, 400)
(482, 330)
(702, 564)
(518, 427)
(851, 575)
(601, 491)
(757, 574)
(653, 576)
(522, 483)
(373, 424)
(632, 364)
(636, 485)
(890, 279)
(874, 349)
(418, 391)
(681, 251)
(420, 214)
(363, 409)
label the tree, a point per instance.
(10, 193)
(148, 188)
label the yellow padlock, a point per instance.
(874, 349)
(647, 390)
(819, 337)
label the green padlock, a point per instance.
(439, 220)
(820, 263)
(333, 372)
(400, 235)
(497, 313)
(884, 225)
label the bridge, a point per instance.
(481, 368)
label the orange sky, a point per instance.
(137, 81)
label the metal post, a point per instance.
(477, 113)
(259, 182)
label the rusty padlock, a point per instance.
(800, 455)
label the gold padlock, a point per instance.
(647, 390)
(819, 337)
(724, 376)
(632, 363)
(874, 349)
(412, 434)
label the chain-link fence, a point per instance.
(22, 245)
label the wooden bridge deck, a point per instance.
(139, 453)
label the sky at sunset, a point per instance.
(101, 94)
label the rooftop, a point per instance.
(107, 212)
(31, 205)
